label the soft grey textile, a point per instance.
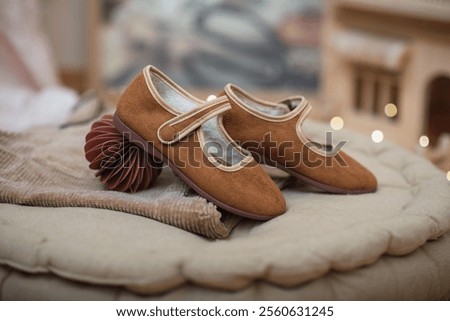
(421, 275)
(319, 233)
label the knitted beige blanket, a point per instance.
(46, 167)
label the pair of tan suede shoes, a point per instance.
(216, 146)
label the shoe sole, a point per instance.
(154, 152)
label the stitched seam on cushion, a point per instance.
(3, 280)
(128, 281)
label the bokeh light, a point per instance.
(424, 141)
(390, 110)
(211, 97)
(377, 136)
(337, 123)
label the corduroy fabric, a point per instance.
(46, 167)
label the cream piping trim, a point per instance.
(154, 92)
(303, 138)
(218, 107)
(234, 168)
(229, 89)
(292, 98)
(224, 132)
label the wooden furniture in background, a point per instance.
(397, 52)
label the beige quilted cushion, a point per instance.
(318, 233)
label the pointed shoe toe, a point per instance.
(274, 133)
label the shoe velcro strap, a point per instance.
(182, 125)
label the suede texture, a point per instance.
(286, 149)
(247, 189)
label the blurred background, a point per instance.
(381, 68)
(208, 43)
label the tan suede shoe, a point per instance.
(188, 134)
(273, 131)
